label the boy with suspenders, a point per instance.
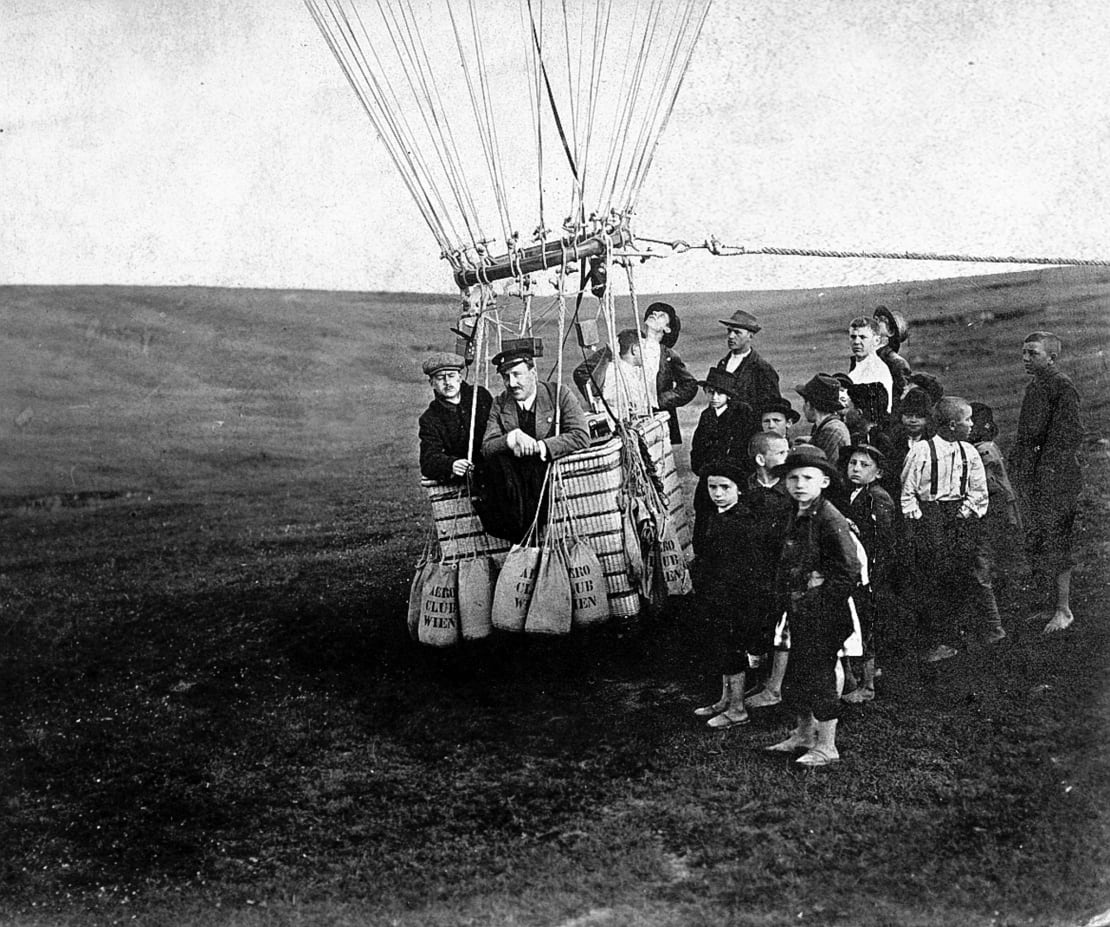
(944, 498)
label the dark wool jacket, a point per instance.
(732, 574)
(1044, 461)
(724, 437)
(756, 380)
(872, 512)
(444, 427)
(675, 386)
(818, 542)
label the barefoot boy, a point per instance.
(1044, 465)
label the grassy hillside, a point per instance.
(112, 389)
(210, 712)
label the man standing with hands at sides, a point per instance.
(1044, 467)
(530, 424)
(448, 440)
(866, 365)
(756, 380)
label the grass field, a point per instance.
(210, 712)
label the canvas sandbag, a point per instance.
(416, 598)
(672, 561)
(475, 598)
(513, 591)
(550, 610)
(589, 590)
(439, 606)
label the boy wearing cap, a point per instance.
(817, 572)
(777, 415)
(448, 443)
(821, 408)
(669, 384)
(944, 498)
(731, 576)
(871, 509)
(756, 380)
(1044, 463)
(724, 429)
(893, 333)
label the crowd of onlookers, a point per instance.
(894, 507)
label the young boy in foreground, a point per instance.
(944, 498)
(730, 583)
(817, 572)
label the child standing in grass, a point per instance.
(724, 429)
(766, 495)
(731, 576)
(817, 572)
(871, 509)
(944, 498)
(1004, 530)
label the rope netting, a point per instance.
(603, 77)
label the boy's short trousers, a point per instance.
(1048, 538)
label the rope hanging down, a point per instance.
(716, 247)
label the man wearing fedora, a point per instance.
(448, 443)
(756, 380)
(670, 385)
(530, 424)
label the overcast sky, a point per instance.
(216, 142)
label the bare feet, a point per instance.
(1059, 621)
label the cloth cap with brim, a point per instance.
(443, 360)
(669, 339)
(806, 455)
(869, 449)
(843, 379)
(729, 470)
(506, 359)
(916, 402)
(896, 324)
(742, 319)
(720, 380)
(822, 390)
(779, 405)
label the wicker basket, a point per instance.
(591, 480)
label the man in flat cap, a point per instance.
(530, 424)
(448, 443)
(669, 384)
(756, 380)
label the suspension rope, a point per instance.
(717, 248)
